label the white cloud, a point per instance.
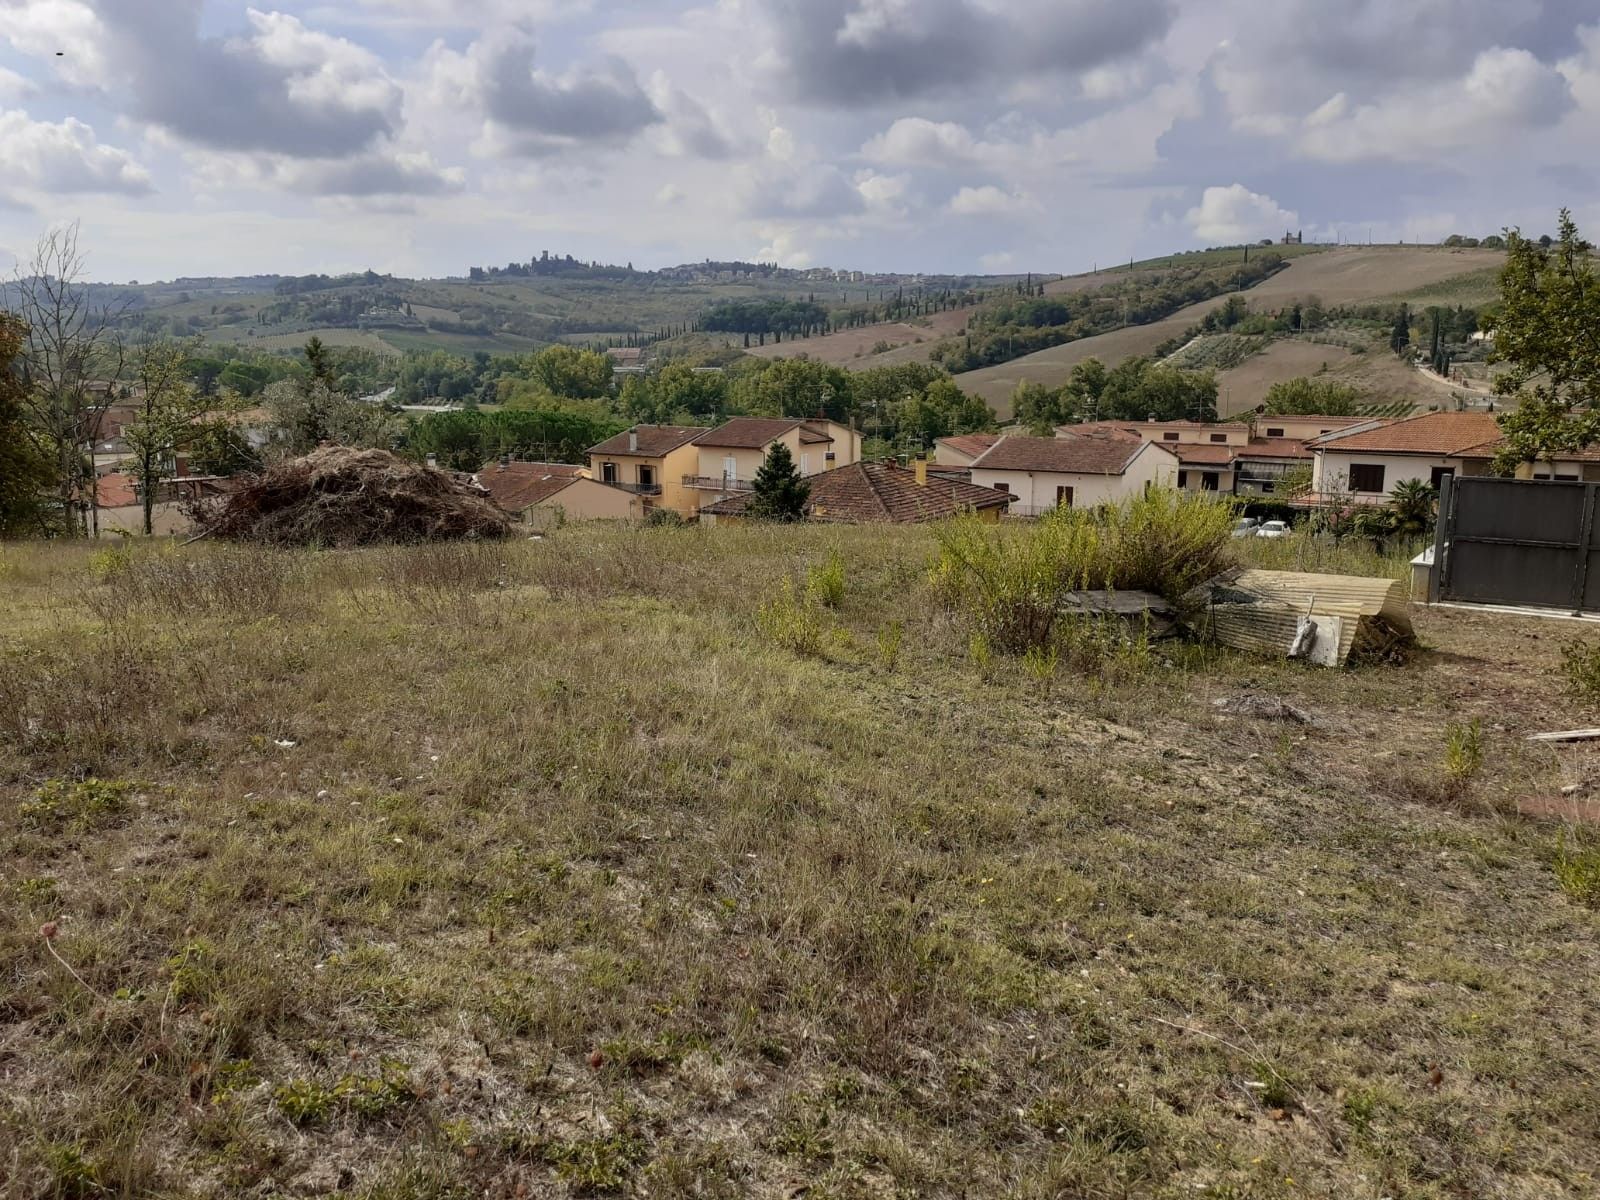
(988, 201)
(64, 157)
(919, 142)
(1506, 91)
(1236, 214)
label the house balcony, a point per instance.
(718, 483)
(638, 489)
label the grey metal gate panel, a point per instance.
(1518, 541)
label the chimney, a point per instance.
(921, 468)
(633, 441)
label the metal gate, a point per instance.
(1517, 541)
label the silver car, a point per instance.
(1274, 529)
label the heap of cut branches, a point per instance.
(339, 498)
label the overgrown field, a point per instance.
(698, 863)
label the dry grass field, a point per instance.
(598, 866)
(1348, 275)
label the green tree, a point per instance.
(26, 471)
(780, 492)
(570, 373)
(170, 413)
(1318, 397)
(1400, 333)
(1547, 332)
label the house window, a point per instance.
(647, 478)
(1440, 474)
(1219, 437)
(805, 464)
(1366, 477)
(1001, 487)
(608, 472)
(1208, 481)
(1063, 497)
(1169, 437)
(1569, 478)
(1274, 433)
(1183, 479)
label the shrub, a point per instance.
(889, 639)
(1578, 872)
(792, 621)
(1580, 664)
(1010, 583)
(825, 583)
(1463, 751)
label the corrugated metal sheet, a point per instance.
(1259, 611)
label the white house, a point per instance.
(1096, 466)
(1365, 462)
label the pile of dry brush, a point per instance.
(338, 497)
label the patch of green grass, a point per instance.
(77, 806)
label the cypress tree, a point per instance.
(780, 494)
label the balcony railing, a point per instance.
(718, 483)
(638, 489)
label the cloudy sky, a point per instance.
(425, 136)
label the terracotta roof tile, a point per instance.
(1263, 447)
(654, 440)
(880, 492)
(514, 486)
(1102, 451)
(753, 433)
(970, 444)
(1200, 454)
(1434, 433)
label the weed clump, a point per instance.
(1580, 666)
(792, 621)
(371, 1098)
(1009, 584)
(89, 804)
(1578, 872)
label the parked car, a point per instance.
(1246, 527)
(1274, 529)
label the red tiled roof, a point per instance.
(754, 433)
(1102, 451)
(116, 490)
(1490, 449)
(1201, 454)
(654, 440)
(519, 485)
(1263, 447)
(874, 492)
(970, 444)
(1435, 433)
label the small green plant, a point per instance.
(979, 652)
(1578, 872)
(306, 1102)
(601, 1164)
(825, 583)
(88, 804)
(107, 564)
(1041, 663)
(889, 639)
(1580, 664)
(792, 621)
(1463, 751)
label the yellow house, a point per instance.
(731, 454)
(652, 461)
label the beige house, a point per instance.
(545, 495)
(962, 449)
(1363, 464)
(730, 455)
(1302, 428)
(652, 461)
(1094, 466)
